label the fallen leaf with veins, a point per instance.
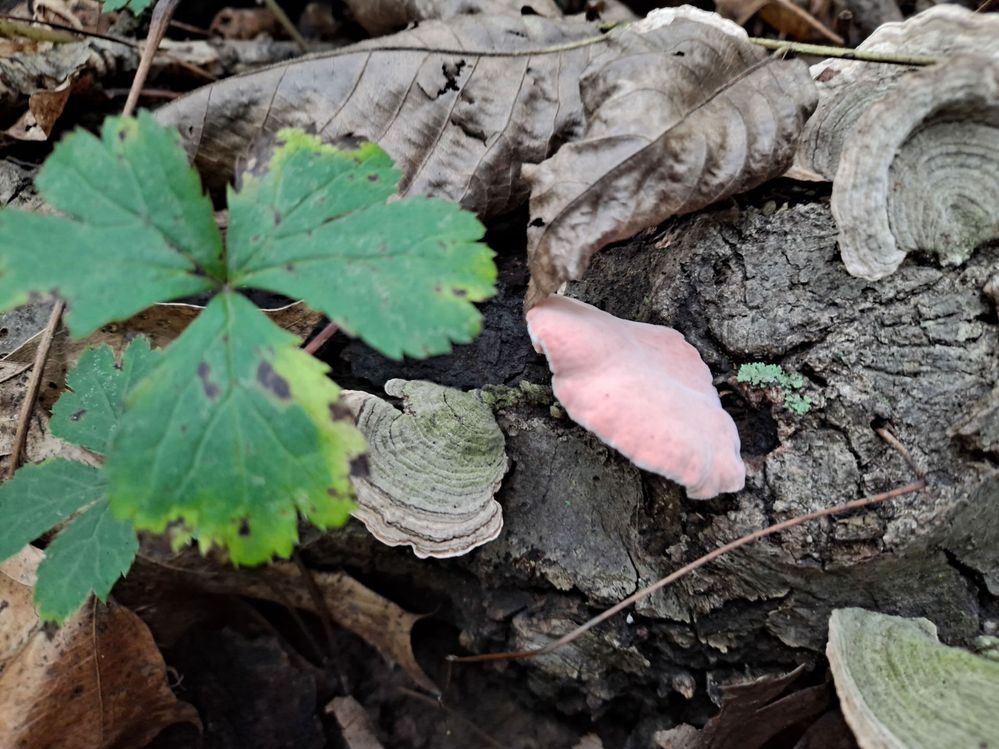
(458, 126)
(97, 682)
(677, 118)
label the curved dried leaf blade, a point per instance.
(900, 688)
(312, 222)
(98, 682)
(383, 16)
(87, 557)
(677, 118)
(233, 435)
(41, 496)
(88, 413)
(458, 126)
(133, 208)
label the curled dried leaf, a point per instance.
(433, 468)
(677, 117)
(456, 126)
(922, 170)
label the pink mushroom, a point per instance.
(643, 390)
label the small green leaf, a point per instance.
(312, 223)
(234, 434)
(87, 557)
(136, 6)
(88, 413)
(136, 230)
(41, 496)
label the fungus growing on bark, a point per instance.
(643, 390)
(433, 468)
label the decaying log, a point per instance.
(916, 353)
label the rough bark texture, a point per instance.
(917, 352)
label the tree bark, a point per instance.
(917, 353)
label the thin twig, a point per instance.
(892, 440)
(452, 713)
(749, 538)
(158, 25)
(846, 54)
(317, 600)
(321, 337)
(813, 22)
(16, 29)
(282, 18)
(31, 394)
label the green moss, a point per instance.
(760, 375)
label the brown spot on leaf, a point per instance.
(827, 75)
(272, 381)
(78, 415)
(210, 388)
(359, 466)
(244, 528)
(460, 293)
(372, 178)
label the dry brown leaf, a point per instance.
(752, 713)
(381, 623)
(98, 682)
(457, 126)
(677, 118)
(355, 725)
(385, 16)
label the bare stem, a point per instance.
(158, 24)
(282, 18)
(31, 394)
(845, 54)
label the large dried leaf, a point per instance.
(752, 713)
(98, 682)
(676, 118)
(901, 688)
(381, 623)
(848, 88)
(921, 170)
(458, 126)
(383, 16)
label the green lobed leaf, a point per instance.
(234, 434)
(88, 413)
(137, 228)
(87, 557)
(311, 222)
(136, 6)
(42, 496)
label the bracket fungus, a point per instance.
(643, 390)
(847, 88)
(922, 170)
(433, 468)
(900, 688)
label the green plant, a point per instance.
(758, 374)
(234, 432)
(136, 6)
